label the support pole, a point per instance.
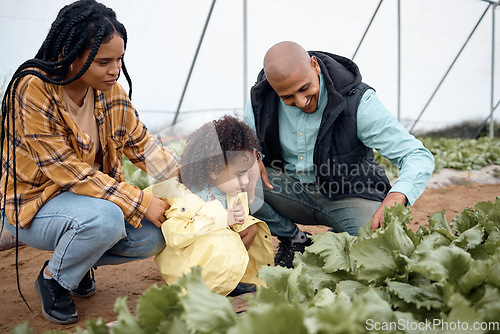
(399, 60)
(492, 121)
(449, 68)
(193, 63)
(367, 28)
(245, 56)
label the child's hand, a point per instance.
(230, 218)
(238, 213)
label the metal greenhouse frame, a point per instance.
(491, 6)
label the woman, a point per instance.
(66, 125)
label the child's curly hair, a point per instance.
(206, 150)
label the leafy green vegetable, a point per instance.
(126, 322)
(159, 307)
(455, 153)
(140, 178)
(205, 312)
(389, 281)
(23, 328)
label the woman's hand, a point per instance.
(156, 211)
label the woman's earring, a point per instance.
(71, 67)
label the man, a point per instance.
(318, 125)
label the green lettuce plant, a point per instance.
(393, 280)
(460, 154)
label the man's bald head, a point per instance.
(294, 75)
(283, 59)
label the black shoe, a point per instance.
(57, 305)
(287, 248)
(86, 288)
(242, 288)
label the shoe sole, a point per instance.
(91, 292)
(48, 316)
(75, 294)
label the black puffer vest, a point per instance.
(344, 166)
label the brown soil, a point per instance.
(133, 278)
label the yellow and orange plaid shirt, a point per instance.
(54, 155)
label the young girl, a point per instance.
(66, 123)
(208, 225)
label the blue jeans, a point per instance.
(83, 232)
(293, 202)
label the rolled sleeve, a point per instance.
(379, 129)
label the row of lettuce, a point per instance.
(436, 280)
(471, 154)
(439, 279)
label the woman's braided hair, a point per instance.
(80, 26)
(207, 150)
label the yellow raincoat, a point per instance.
(196, 233)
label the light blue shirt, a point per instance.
(211, 193)
(298, 136)
(377, 128)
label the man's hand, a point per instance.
(390, 199)
(263, 175)
(253, 177)
(156, 211)
(258, 169)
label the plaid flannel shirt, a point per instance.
(54, 155)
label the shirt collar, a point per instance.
(323, 96)
(216, 191)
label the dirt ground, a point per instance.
(133, 278)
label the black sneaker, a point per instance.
(86, 288)
(242, 288)
(57, 305)
(286, 250)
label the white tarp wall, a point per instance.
(164, 34)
